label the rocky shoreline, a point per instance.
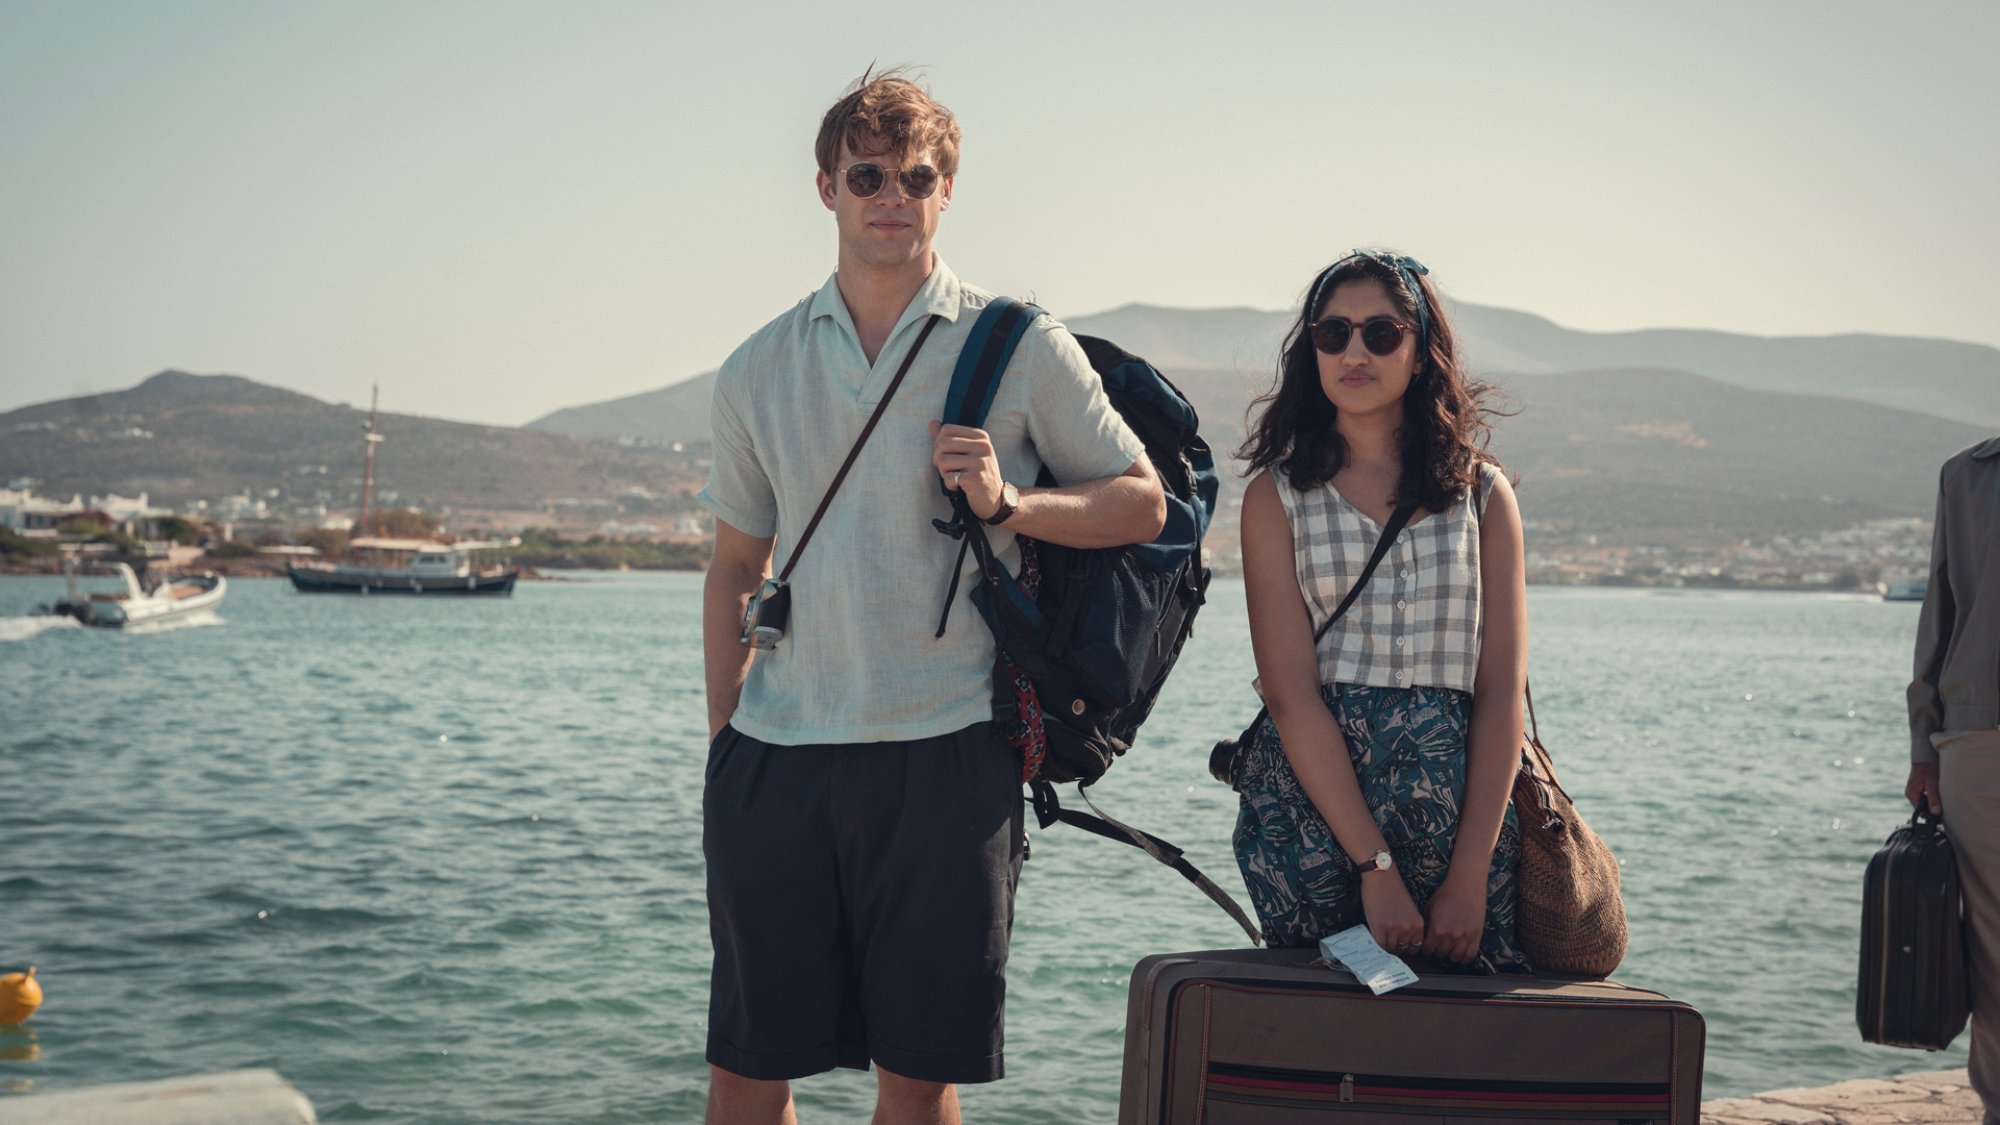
(1936, 1097)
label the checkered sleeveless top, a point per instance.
(1417, 621)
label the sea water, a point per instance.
(438, 860)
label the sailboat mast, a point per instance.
(368, 459)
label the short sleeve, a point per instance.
(738, 490)
(1071, 422)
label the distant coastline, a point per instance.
(268, 567)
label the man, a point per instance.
(862, 823)
(1955, 723)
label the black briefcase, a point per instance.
(1913, 976)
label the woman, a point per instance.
(1377, 789)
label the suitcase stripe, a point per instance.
(1425, 1085)
(1650, 1107)
(1439, 1094)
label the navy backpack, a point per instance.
(1086, 637)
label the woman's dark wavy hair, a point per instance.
(1445, 427)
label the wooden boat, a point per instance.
(400, 566)
(406, 566)
(137, 604)
(1911, 591)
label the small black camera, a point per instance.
(1224, 760)
(765, 617)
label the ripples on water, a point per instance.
(440, 861)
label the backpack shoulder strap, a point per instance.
(974, 381)
(983, 360)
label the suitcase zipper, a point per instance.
(1347, 1087)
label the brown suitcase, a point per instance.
(1270, 1037)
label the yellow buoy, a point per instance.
(19, 996)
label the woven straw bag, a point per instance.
(1569, 917)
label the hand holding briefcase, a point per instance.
(1913, 976)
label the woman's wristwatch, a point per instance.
(1380, 861)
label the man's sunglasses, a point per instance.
(866, 178)
(1379, 334)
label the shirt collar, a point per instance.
(941, 294)
(1988, 448)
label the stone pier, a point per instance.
(1935, 1097)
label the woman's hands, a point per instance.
(1391, 913)
(1457, 919)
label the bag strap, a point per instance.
(812, 525)
(974, 383)
(1048, 811)
(983, 359)
(1398, 520)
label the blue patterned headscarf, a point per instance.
(1405, 266)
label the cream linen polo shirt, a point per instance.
(859, 661)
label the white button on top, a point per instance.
(1400, 675)
(1401, 604)
(1406, 573)
(1399, 641)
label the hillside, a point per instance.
(1937, 377)
(182, 437)
(1658, 456)
(1941, 377)
(675, 413)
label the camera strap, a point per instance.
(1398, 520)
(855, 452)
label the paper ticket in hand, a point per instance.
(1356, 951)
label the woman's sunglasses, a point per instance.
(1379, 334)
(866, 178)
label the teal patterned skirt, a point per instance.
(1408, 748)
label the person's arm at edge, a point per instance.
(1493, 740)
(1281, 639)
(741, 561)
(1933, 638)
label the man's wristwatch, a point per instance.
(1010, 499)
(1381, 861)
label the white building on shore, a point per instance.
(37, 517)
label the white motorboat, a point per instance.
(138, 603)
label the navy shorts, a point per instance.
(860, 901)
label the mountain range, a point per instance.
(1941, 377)
(1665, 434)
(181, 437)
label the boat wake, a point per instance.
(193, 620)
(22, 628)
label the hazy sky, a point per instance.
(498, 209)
